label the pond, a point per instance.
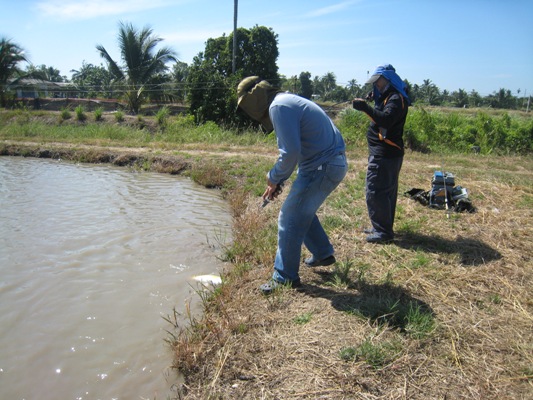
(92, 257)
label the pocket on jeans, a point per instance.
(333, 176)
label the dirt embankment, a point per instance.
(135, 158)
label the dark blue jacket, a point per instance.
(385, 133)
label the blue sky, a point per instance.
(481, 45)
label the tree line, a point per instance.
(148, 72)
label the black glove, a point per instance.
(359, 104)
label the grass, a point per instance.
(444, 312)
(80, 113)
(377, 355)
(303, 318)
(65, 115)
(119, 116)
(162, 116)
(98, 114)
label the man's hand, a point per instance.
(272, 191)
(359, 104)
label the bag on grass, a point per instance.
(443, 193)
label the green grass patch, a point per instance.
(377, 355)
(303, 319)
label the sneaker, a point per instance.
(311, 262)
(369, 231)
(379, 239)
(272, 285)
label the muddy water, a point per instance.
(91, 259)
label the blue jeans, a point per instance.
(382, 192)
(298, 223)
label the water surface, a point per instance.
(91, 258)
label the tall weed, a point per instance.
(353, 125)
(80, 113)
(64, 114)
(98, 114)
(453, 132)
(162, 116)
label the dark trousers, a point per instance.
(382, 192)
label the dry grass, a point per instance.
(350, 332)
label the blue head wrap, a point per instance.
(389, 73)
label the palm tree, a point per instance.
(45, 73)
(430, 92)
(11, 55)
(93, 81)
(329, 83)
(141, 65)
(353, 87)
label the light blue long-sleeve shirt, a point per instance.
(306, 136)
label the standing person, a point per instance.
(307, 139)
(385, 147)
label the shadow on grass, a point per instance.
(473, 252)
(380, 303)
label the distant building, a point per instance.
(30, 88)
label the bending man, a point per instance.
(307, 139)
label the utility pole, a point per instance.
(234, 61)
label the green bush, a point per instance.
(64, 114)
(452, 132)
(119, 116)
(98, 114)
(353, 125)
(80, 113)
(162, 116)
